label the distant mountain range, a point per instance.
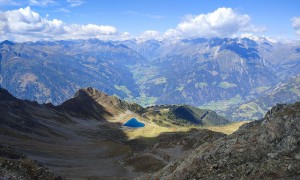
(215, 73)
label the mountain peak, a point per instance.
(87, 91)
(96, 96)
(7, 42)
(90, 101)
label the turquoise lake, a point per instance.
(134, 123)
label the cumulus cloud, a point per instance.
(296, 24)
(223, 22)
(76, 31)
(26, 25)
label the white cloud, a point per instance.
(296, 24)
(76, 31)
(173, 34)
(258, 38)
(41, 3)
(223, 22)
(149, 34)
(124, 36)
(74, 3)
(26, 25)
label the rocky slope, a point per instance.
(171, 147)
(18, 166)
(265, 149)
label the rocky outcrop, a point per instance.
(265, 149)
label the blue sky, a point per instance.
(149, 18)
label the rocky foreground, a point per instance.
(15, 165)
(88, 143)
(265, 149)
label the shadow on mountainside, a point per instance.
(83, 105)
(69, 142)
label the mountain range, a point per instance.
(215, 73)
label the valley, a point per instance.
(190, 95)
(221, 74)
(149, 90)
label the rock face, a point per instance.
(265, 149)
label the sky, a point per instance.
(34, 20)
